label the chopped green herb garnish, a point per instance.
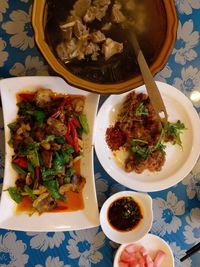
(142, 152)
(141, 110)
(160, 146)
(173, 130)
(139, 141)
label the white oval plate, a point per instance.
(152, 244)
(55, 221)
(144, 201)
(179, 162)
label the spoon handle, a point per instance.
(152, 89)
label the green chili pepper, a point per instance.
(15, 194)
(18, 169)
(84, 123)
(28, 190)
(52, 186)
(67, 180)
(34, 157)
(39, 117)
(65, 156)
(58, 162)
(13, 126)
(31, 169)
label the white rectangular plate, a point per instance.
(61, 221)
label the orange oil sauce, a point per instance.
(74, 200)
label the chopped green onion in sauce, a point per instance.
(124, 214)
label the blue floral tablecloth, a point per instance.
(176, 210)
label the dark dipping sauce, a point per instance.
(124, 214)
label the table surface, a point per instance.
(176, 210)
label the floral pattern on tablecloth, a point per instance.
(176, 210)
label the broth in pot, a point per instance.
(87, 36)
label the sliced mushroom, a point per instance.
(47, 156)
(43, 97)
(65, 188)
(78, 104)
(55, 146)
(44, 203)
(28, 179)
(56, 127)
(78, 182)
(45, 145)
(41, 189)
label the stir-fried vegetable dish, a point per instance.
(47, 141)
(139, 133)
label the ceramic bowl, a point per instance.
(152, 244)
(159, 46)
(123, 237)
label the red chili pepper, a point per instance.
(75, 121)
(37, 174)
(69, 140)
(74, 137)
(21, 162)
(26, 97)
(56, 114)
(67, 137)
(66, 101)
(62, 117)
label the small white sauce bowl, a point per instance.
(124, 237)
